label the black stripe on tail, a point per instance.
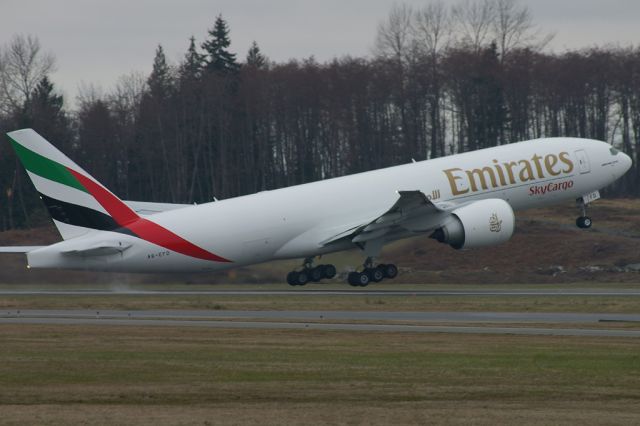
(73, 214)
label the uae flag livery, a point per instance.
(79, 204)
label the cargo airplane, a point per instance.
(465, 201)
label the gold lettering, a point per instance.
(452, 181)
(564, 157)
(480, 173)
(536, 159)
(526, 173)
(500, 173)
(494, 177)
(510, 165)
(549, 162)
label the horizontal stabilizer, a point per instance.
(19, 249)
(144, 208)
(102, 248)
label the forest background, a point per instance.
(441, 80)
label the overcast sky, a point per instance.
(98, 41)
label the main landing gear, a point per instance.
(583, 221)
(310, 273)
(372, 273)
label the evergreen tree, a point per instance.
(45, 103)
(97, 142)
(159, 81)
(44, 95)
(44, 112)
(218, 58)
(191, 66)
(255, 58)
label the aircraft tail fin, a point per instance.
(76, 201)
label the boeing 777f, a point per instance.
(465, 201)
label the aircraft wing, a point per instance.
(412, 212)
(145, 208)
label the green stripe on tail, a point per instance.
(45, 167)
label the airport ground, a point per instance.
(95, 371)
(543, 330)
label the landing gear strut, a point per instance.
(583, 221)
(372, 273)
(310, 273)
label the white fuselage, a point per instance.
(293, 222)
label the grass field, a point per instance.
(524, 303)
(101, 375)
(81, 374)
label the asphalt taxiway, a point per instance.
(420, 322)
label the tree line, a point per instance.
(441, 80)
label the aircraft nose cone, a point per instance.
(626, 162)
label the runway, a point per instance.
(312, 292)
(421, 322)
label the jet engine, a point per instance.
(478, 224)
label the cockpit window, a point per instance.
(613, 151)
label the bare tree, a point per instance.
(88, 94)
(513, 27)
(474, 21)
(128, 93)
(393, 39)
(432, 35)
(22, 66)
(432, 28)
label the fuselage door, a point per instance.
(583, 161)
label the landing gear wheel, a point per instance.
(584, 222)
(375, 274)
(303, 277)
(372, 274)
(358, 279)
(390, 270)
(292, 278)
(352, 279)
(329, 271)
(309, 273)
(363, 279)
(317, 273)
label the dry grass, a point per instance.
(589, 304)
(106, 375)
(569, 412)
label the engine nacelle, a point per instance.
(481, 223)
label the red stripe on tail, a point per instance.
(118, 210)
(143, 228)
(156, 234)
